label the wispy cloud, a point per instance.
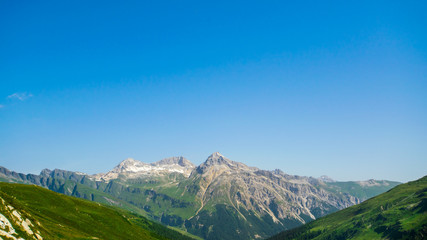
(20, 96)
(1, 106)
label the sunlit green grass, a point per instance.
(64, 217)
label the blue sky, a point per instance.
(311, 88)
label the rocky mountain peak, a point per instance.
(217, 158)
(218, 163)
(45, 172)
(181, 161)
(216, 155)
(128, 165)
(131, 168)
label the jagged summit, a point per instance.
(216, 155)
(222, 164)
(131, 168)
(181, 161)
(45, 172)
(129, 165)
(217, 158)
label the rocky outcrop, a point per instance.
(12, 219)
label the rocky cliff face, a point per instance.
(219, 198)
(285, 200)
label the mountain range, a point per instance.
(219, 199)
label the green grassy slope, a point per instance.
(400, 213)
(56, 216)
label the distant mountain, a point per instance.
(400, 213)
(131, 168)
(32, 212)
(219, 199)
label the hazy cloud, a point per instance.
(20, 96)
(1, 106)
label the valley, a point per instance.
(400, 213)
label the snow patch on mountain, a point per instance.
(131, 168)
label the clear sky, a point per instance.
(310, 87)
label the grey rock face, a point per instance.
(273, 193)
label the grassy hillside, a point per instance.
(400, 213)
(35, 212)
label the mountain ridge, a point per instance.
(134, 168)
(194, 198)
